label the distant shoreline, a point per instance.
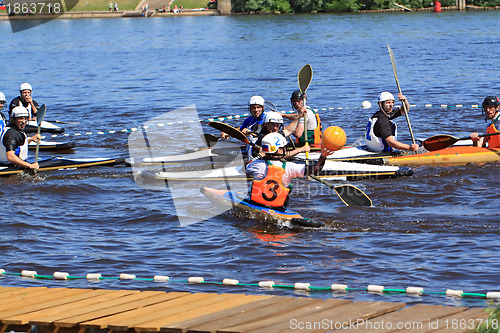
(200, 12)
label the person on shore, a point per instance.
(298, 101)
(491, 113)
(116, 6)
(14, 147)
(381, 131)
(110, 6)
(272, 175)
(26, 100)
(273, 123)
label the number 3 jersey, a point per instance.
(271, 185)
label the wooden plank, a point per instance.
(124, 314)
(211, 322)
(120, 305)
(9, 289)
(414, 315)
(51, 307)
(220, 305)
(471, 318)
(19, 298)
(52, 297)
(340, 316)
(335, 315)
(168, 309)
(286, 305)
(47, 316)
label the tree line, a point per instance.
(308, 6)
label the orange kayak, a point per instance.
(457, 155)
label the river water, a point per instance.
(437, 229)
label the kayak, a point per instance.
(455, 155)
(348, 154)
(331, 170)
(51, 145)
(59, 163)
(233, 200)
(45, 126)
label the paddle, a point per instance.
(442, 141)
(66, 122)
(393, 62)
(305, 77)
(210, 139)
(349, 194)
(39, 118)
(233, 132)
(270, 106)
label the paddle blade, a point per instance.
(437, 142)
(352, 196)
(209, 139)
(305, 78)
(40, 113)
(230, 130)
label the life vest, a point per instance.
(375, 143)
(270, 191)
(493, 141)
(21, 151)
(313, 136)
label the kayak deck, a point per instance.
(456, 155)
(233, 200)
(58, 163)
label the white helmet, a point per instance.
(2, 97)
(20, 111)
(25, 86)
(385, 96)
(273, 117)
(272, 142)
(259, 100)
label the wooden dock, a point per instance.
(65, 310)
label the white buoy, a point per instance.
(366, 105)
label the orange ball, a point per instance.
(334, 138)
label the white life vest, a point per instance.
(21, 151)
(375, 143)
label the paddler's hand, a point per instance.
(34, 166)
(225, 136)
(305, 148)
(34, 138)
(413, 147)
(475, 137)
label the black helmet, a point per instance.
(297, 95)
(491, 101)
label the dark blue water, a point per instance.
(437, 229)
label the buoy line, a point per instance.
(335, 287)
(365, 105)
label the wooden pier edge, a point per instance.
(68, 310)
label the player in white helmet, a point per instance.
(14, 142)
(25, 99)
(272, 174)
(256, 118)
(381, 132)
(273, 123)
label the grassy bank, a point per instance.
(102, 5)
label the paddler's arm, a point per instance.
(400, 145)
(403, 99)
(296, 151)
(293, 125)
(14, 159)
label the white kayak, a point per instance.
(331, 170)
(45, 126)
